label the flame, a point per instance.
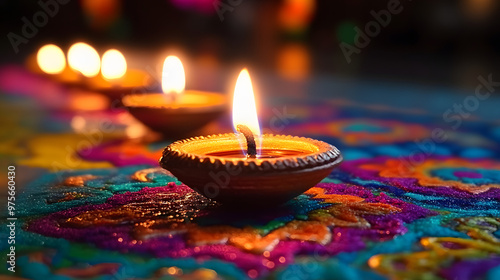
(84, 59)
(173, 77)
(113, 65)
(50, 59)
(244, 109)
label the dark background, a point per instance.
(448, 42)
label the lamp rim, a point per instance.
(175, 156)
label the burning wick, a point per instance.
(251, 148)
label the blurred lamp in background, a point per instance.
(173, 77)
(50, 59)
(478, 9)
(295, 15)
(293, 61)
(101, 14)
(113, 65)
(84, 59)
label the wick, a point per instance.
(251, 148)
(173, 97)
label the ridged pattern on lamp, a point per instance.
(250, 181)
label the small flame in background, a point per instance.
(84, 59)
(50, 59)
(113, 65)
(173, 79)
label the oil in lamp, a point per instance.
(116, 80)
(176, 111)
(247, 168)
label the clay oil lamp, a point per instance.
(50, 62)
(247, 168)
(84, 60)
(116, 80)
(175, 111)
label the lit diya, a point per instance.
(116, 80)
(85, 60)
(51, 62)
(175, 111)
(268, 170)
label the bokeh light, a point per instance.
(113, 64)
(84, 59)
(50, 59)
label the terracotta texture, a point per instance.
(154, 111)
(239, 181)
